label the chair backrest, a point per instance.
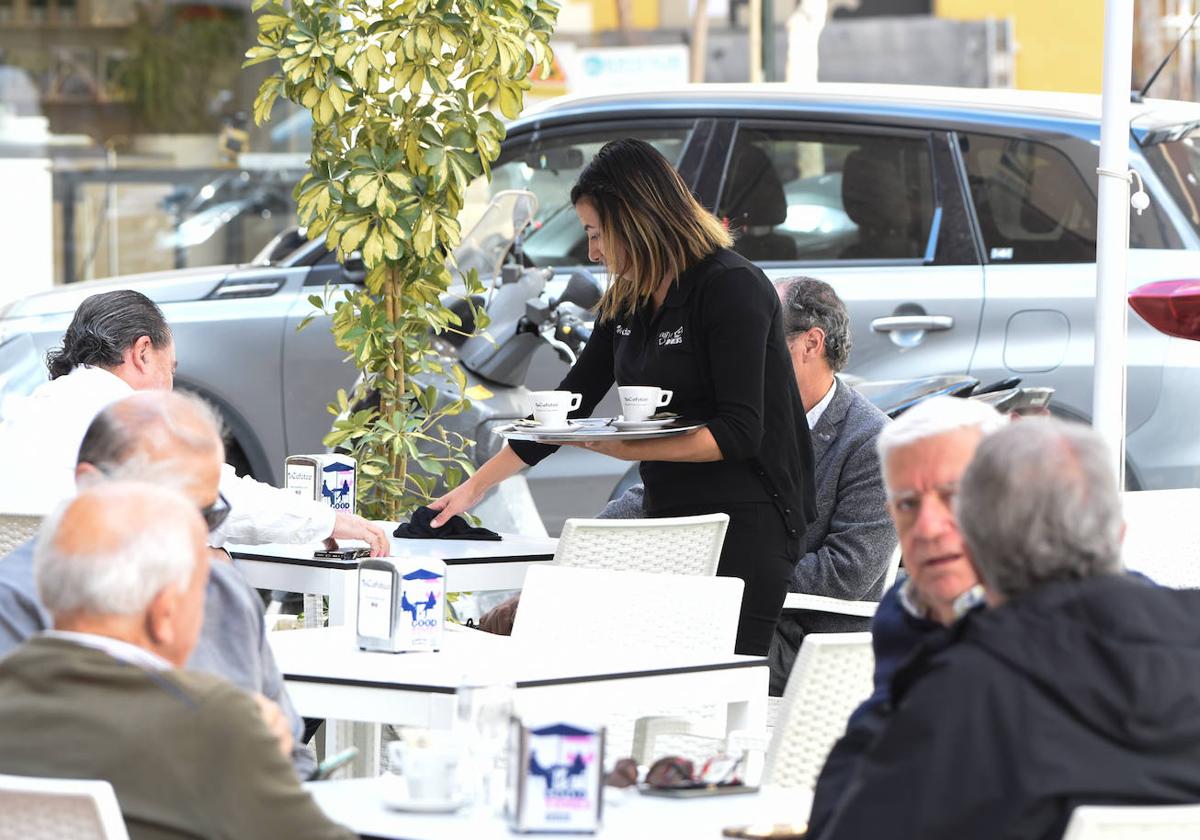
(832, 675)
(893, 570)
(603, 610)
(51, 809)
(16, 528)
(684, 545)
(1159, 541)
(1133, 822)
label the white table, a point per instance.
(358, 804)
(328, 677)
(471, 566)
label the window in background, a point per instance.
(1032, 204)
(821, 196)
(548, 169)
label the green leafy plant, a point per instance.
(401, 93)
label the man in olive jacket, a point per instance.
(122, 570)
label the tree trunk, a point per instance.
(699, 56)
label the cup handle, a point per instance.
(665, 397)
(576, 401)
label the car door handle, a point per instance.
(913, 323)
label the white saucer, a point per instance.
(640, 425)
(571, 426)
(399, 801)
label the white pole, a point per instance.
(754, 8)
(1112, 229)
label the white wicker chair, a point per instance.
(821, 603)
(16, 528)
(1162, 537)
(832, 675)
(584, 612)
(54, 809)
(1133, 822)
(684, 545)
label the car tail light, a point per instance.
(1170, 306)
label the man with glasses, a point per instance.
(924, 453)
(172, 440)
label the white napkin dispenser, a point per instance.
(556, 777)
(401, 604)
(332, 479)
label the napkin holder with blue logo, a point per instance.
(556, 778)
(330, 479)
(401, 604)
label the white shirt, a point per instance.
(814, 413)
(115, 648)
(39, 446)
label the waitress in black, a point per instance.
(684, 313)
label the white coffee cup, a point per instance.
(638, 402)
(550, 408)
(430, 769)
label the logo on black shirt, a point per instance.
(670, 337)
(622, 330)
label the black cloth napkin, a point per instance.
(455, 529)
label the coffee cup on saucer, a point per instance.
(550, 408)
(639, 402)
(429, 771)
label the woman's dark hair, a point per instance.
(651, 225)
(104, 327)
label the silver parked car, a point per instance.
(959, 226)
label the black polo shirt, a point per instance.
(717, 342)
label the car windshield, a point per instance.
(1177, 162)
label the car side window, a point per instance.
(812, 195)
(548, 167)
(1033, 205)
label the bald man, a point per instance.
(123, 571)
(171, 440)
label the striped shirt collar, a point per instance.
(117, 649)
(963, 604)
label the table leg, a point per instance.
(341, 734)
(343, 597)
(750, 716)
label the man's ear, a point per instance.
(138, 354)
(85, 474)
(814, 343)
(160, 616)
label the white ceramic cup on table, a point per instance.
(430, 769)
(550, 408)
(638, 402)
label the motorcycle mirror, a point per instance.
(582, 290)
(354, 270)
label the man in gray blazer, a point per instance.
(849, 546)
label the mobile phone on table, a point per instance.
(342, 553)
(767, 831)
(697, 789)
(332, 764)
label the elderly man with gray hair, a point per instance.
(172, 440)
(122, 569)
(1078, 685)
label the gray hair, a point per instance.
(934, 417)
(1039, 504)
(808, 303)
(113, 548)
(104, 327)
(123, 429)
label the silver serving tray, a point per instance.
(596, 429)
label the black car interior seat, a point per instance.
(755, 203)
(876, 198)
